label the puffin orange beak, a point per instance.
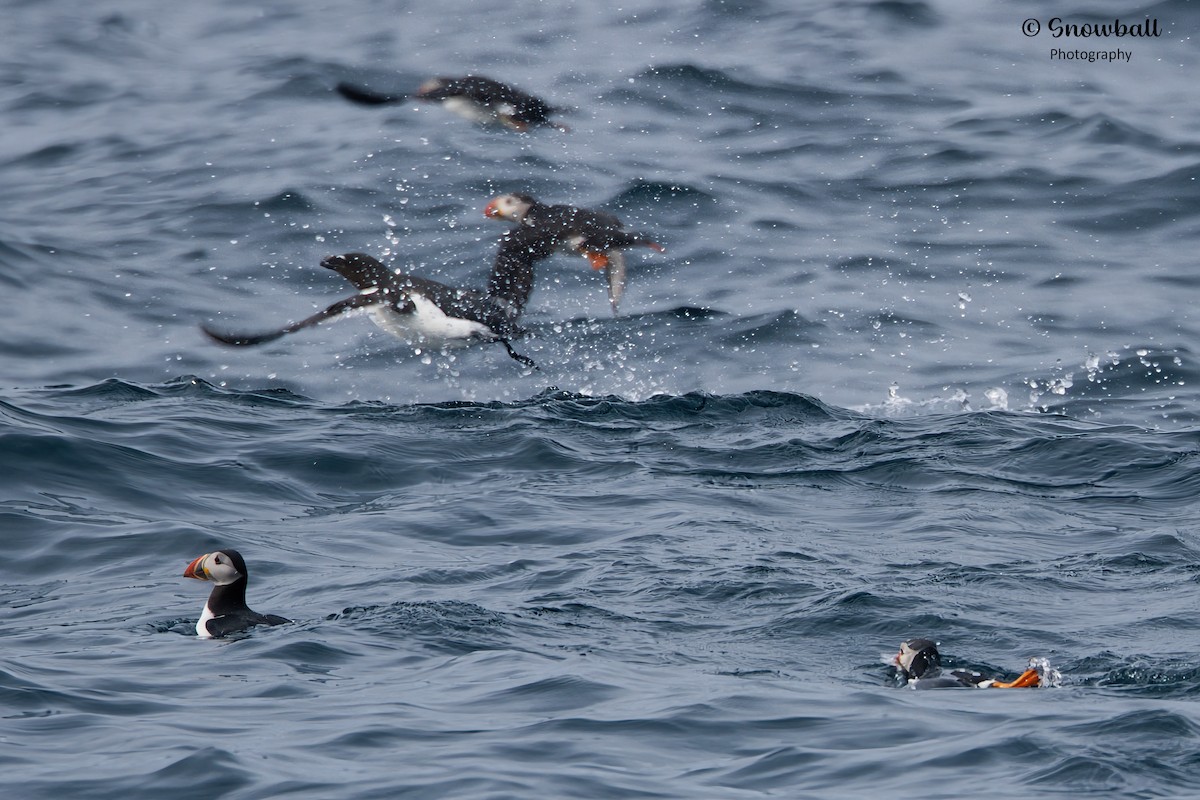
(492, 210)
(599, 260)
(196, 569)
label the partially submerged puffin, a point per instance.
(475, 97)
(424, 312)
(920, 664)
(226, 611)
(596, 235)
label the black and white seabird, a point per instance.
(475, 97)
(920, 664)
(596, 235)
(226, 611)
(424, 312)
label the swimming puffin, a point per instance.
(475, 97)
(596, 235)
(920, 664)
(226, 611)
(424, 312)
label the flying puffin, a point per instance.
(920, 664)
(226, 611)
(424, 312)
(475, 97)
(596, 235)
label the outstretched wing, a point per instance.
(339, 308)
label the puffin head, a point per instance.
(917, 657)
(222, 567)
(509, 206)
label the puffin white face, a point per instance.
(431, 85)
(916, 657)
(507, 206)
(215, 566)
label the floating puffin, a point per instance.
(475, 97)
(920, 664)
(596, 235)
(424, 312)
(226, 611)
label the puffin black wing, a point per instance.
(364, 271)
(572, 218)
(226, 624)
(339, 308)
(511, 277)
(591, 231)
(366, 97)
(612, 238)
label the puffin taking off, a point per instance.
(479, 99)
(920, 664)
(596, 235)
(226, 611)
(425, 312)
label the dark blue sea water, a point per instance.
(919, 361)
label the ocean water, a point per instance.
(918, 361)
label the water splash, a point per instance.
(1048, 676)
(998, 398)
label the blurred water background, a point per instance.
(918, 361)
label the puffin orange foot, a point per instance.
(1026, 680)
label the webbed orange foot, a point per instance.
(1026, 680)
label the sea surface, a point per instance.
(920, 359)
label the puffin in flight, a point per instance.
(475, 97)
(920, 664)
(596, 235)
(226, 611)
(424, 312)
